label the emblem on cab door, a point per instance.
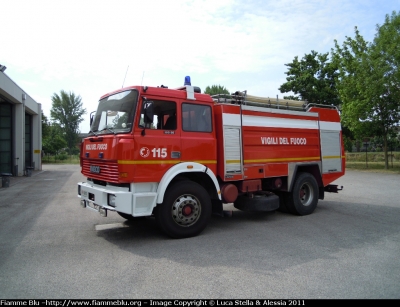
(144, 152)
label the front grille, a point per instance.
(108, 170)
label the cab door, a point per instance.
(157, 144)
(198, 134)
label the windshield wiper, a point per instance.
(109, 129)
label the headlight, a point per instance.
(111, 200)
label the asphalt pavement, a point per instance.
(51, 248)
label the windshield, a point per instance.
(115, 113)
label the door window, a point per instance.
(164, 116)
(196, 117)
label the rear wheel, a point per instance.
(185, 211)
(303, 198)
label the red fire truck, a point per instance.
(180, 155)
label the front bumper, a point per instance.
(137, 200)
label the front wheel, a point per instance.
(303, 199)
(185, 211)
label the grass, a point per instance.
(374, 166)
(373, 161)
(372, 156)
(61, 159)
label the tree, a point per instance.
(67, 111)
(369, 82)
(313, 78)
(215, 90)
(54, 141)
(45, 126)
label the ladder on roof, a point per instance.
(241, 97)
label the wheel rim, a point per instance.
(306, 194)
(186, 210)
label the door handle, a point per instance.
(175, 154)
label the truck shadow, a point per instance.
(264, 241)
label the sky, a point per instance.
(91, 48)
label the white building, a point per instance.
(20, 128)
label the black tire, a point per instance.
(185, 211)
(265, 202)
(303, 198)
(130, 217)
(282, 202)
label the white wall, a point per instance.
(23, 103)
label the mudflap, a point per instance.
(217, 207)
(260, 202)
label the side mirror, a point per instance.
(91, 117)
(148, 107)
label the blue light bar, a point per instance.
(187, 80)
